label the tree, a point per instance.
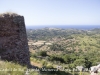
(67, 59)
(79, 62)
(43, 53)
(55, 47)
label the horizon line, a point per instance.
(63, 25)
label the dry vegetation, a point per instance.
(8, 14)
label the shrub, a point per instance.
(57, 47)
(42, 53)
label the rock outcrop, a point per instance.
(13, 39)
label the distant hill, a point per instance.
(73, 39)
(85, 27)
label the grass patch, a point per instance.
(10, 68)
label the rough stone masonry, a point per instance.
(13, 39)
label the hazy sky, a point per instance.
(55, 12)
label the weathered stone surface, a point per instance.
(13, 39)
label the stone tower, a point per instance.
(13, 39)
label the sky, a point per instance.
(55, 12)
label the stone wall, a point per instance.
(13, 39)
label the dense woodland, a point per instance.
(68, 47)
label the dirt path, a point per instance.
(36, 64)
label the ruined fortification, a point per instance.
(13, 38)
